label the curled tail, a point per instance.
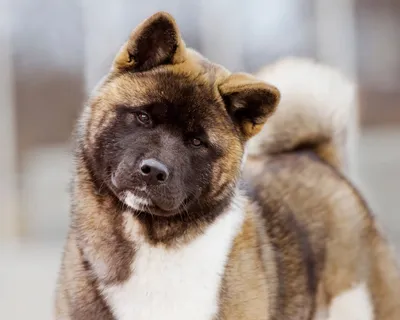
(317, 111)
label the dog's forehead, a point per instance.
(181, 88)
(194, 93)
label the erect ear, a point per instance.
(154, 42)
(249, 101)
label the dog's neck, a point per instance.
(179, 228)
(170, 282)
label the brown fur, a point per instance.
(344, 246)
(307, 234)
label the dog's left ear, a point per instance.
(249, 102)
(155, 42)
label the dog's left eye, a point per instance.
(143, 117)
(196, 142)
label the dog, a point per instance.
(169, 218)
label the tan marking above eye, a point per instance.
(129, 118)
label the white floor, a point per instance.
(28, 271)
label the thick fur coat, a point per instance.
(171, 221)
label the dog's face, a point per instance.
(166, 130)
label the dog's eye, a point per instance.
(196, 142)
(143, 117)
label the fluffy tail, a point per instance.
(384, 279)
(317, 111)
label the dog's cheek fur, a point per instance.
(102, 155)
(226, 171)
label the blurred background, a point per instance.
(52, 52)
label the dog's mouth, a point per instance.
(140, 200)
(158, 202)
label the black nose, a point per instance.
(153, 171)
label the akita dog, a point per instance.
(170, 221)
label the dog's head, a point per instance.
(165, 131)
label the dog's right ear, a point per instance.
(155, 42)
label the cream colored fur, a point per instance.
(353, 304)
(317, 104)
(176, 283)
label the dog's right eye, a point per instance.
(143, 118)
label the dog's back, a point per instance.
(331, 255)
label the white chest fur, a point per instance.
(177, 284)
